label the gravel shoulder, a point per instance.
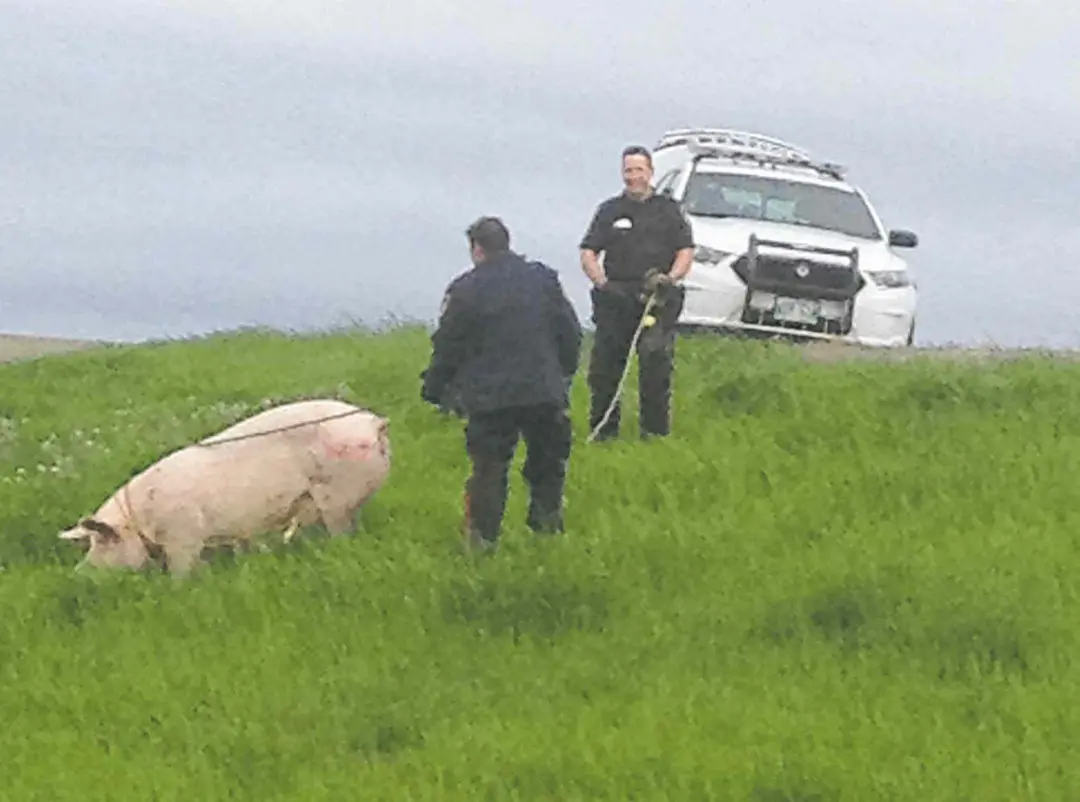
(17, 347)
(837, 352)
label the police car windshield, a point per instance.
(758, 198)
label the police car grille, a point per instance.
(776, 274)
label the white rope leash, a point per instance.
(210, 441)
(649, 303)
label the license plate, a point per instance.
(797, 310)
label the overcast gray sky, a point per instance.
(177, 167)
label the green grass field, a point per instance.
(847, 581)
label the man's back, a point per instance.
(508, 337)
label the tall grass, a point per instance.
(852, 581)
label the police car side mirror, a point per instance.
(900, 238)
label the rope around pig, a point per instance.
(128, 510)
(210, 441)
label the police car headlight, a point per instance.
(709, 256)
(890, 278)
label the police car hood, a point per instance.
(732, 236)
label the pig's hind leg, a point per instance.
(303, 512)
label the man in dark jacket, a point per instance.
(504, 356)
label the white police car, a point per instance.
(784, 244)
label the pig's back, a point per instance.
(288, 417)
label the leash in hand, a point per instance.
(646, 321)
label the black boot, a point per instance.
(485, 503)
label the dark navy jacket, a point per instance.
(507, 336)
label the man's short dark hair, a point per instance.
(490, 233)
(637, 150)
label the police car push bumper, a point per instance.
(798, 291)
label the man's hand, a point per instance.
(443, 408)
(427, 394)
(429, 397)
(590, 263)
(654, 280)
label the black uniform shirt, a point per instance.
(636, 236)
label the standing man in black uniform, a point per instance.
(647, 246)
(504, 356)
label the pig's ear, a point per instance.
(106, 532)
(77, 532)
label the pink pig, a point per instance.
(294, 465)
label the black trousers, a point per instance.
(617, 310)
(491, 440)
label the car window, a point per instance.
(762, 198)
(667, 180)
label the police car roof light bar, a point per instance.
(737, 140)
(723, 142)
